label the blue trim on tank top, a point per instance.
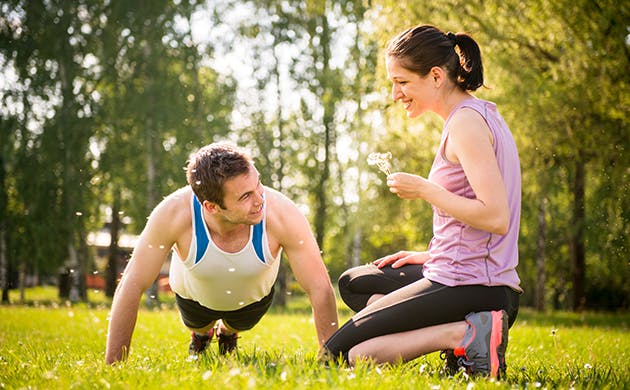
(203, 240)
(257, 240)
(200, 231)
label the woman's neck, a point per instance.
(450, 100)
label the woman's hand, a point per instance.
(401, 258)
(406, 185)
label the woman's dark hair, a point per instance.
(420, 48)
(209, 168)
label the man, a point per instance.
(227, 232)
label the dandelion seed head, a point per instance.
(381, 160)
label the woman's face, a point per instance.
(415, 92)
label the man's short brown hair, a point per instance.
(210, 166)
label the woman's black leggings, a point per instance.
(410, 302)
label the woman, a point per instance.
(461, 295)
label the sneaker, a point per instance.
(199, 342)
(483, 350)
(227, 343)
(450, 362)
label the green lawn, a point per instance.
(45, 345)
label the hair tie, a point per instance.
(452, 37)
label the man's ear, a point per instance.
(210, 207)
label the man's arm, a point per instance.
(152, 248)
(308, 267)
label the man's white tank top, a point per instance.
(220, 280)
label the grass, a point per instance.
(46, 345)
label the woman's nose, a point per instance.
(395, 92)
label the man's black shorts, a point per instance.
(196, 316)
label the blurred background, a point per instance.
(103, 101)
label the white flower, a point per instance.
(381, 160)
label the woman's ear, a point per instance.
(438, 75)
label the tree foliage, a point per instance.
(101, 103)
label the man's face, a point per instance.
(243, 198)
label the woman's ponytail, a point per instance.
(469, 75)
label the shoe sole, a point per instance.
(497, 339)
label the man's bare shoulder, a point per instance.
(278, 204)
(274, 196)
(175, 207)
(283, 215)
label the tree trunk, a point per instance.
(83, 264)
(320, 193)
(75, 295)
(577, 237)
(4, 261)
(540, 255)
(328, 118)
(22, 281)
(152, 293)
(4, 265)
(280, 296)
(111, 272)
